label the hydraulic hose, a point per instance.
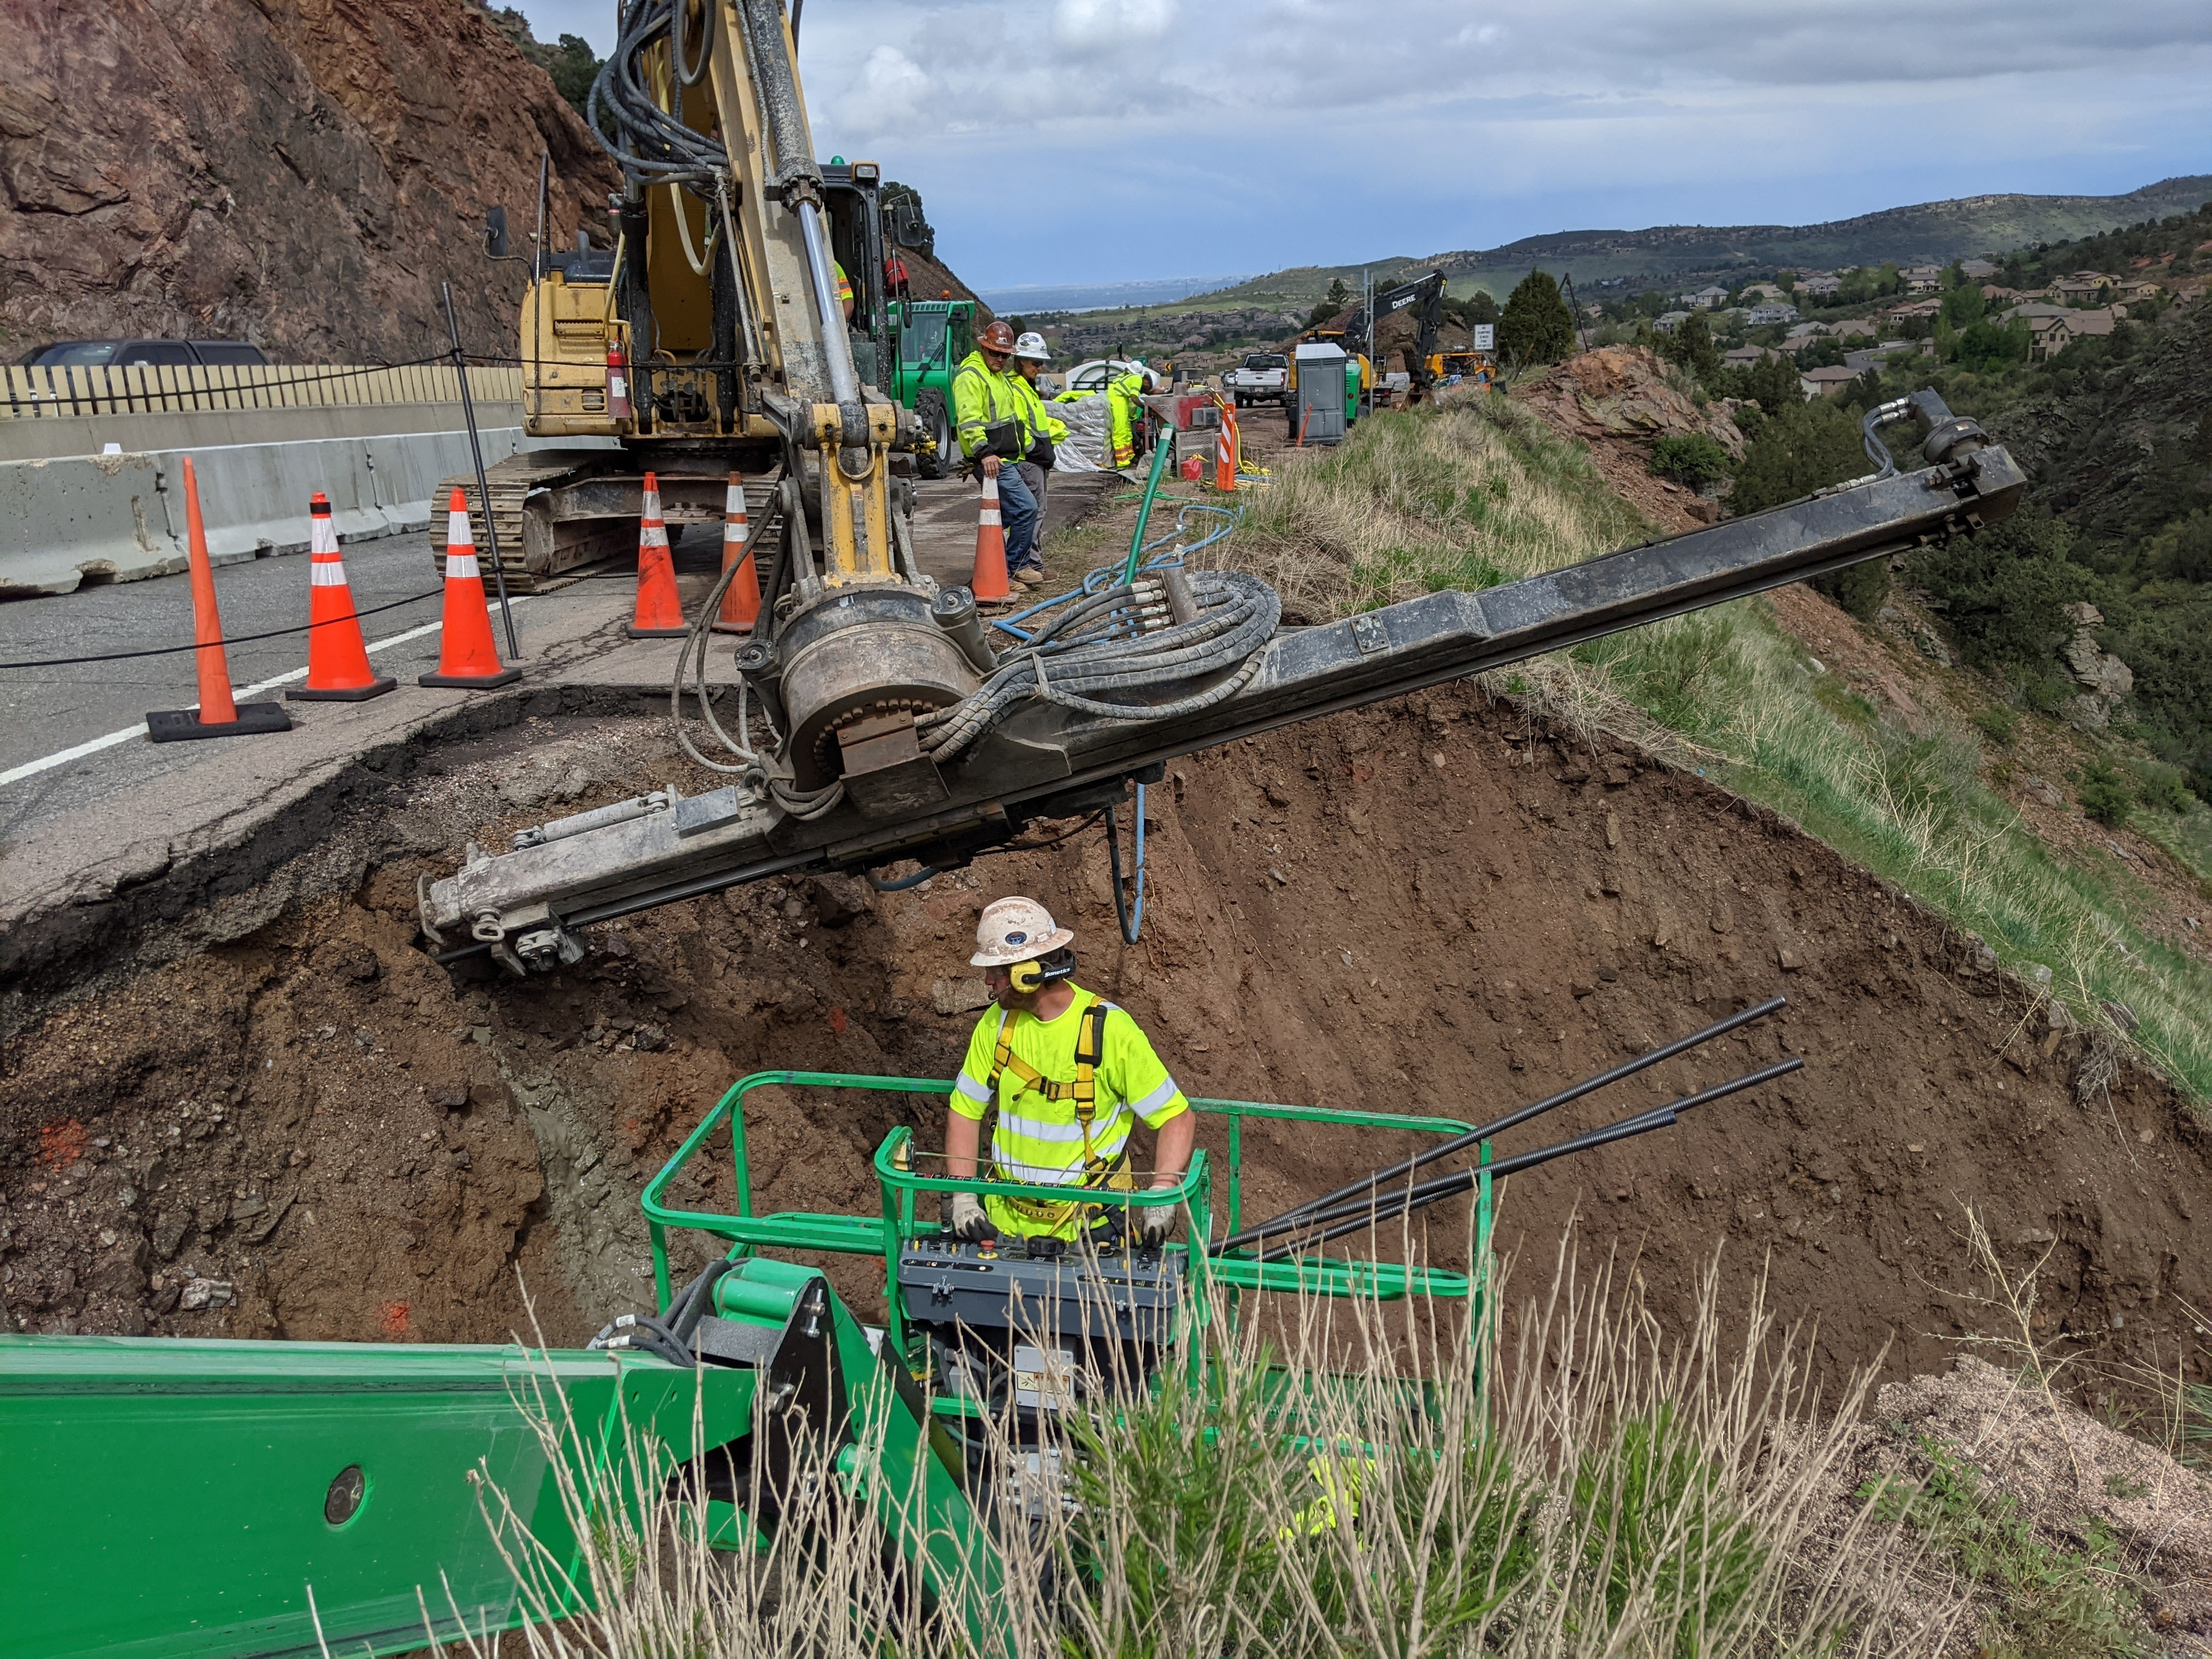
(649, 143)
(1098, 659)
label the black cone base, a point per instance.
(471, 682)
(637, 633)
(177, 725)
(359, 694)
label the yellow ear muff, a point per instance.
(1026, 976)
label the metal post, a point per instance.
(483, 486)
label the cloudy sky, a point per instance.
(1059, 141)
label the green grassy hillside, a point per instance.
(1930, 232)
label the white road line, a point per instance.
(63, 756)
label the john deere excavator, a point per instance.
(176, 1497)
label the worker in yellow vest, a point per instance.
(1043, 433)
(987, 417)
(1125, 412)
(1070, 1076)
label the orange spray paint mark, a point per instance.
(837, 1021)
(61, 1144)
(391, 1318)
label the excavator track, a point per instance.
(555, 517)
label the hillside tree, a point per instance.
(1535, 326)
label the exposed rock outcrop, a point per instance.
(298, 172)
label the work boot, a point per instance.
(1028, 575)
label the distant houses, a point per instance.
(1825, 382)
(1765, 316)
(2051, 328)
(1820, 285)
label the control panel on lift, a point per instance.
(1040, 1288)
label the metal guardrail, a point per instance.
(35, 393)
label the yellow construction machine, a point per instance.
(712, 336)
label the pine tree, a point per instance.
(1536, 327)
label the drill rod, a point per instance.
(1370, 1187)
(1351, 1219)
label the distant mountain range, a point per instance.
(1932, 232)
(1101, 297)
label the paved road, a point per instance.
(78, 825)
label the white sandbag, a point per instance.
(1086, 419)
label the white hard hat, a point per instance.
(1032, 345)
(1017, 930)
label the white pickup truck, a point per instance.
(1262, 378)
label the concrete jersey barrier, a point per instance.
(70, 520)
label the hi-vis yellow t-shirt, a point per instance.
(1039, 1140)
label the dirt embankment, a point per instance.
(298, 172)
(1620, 401)
(1425, 907)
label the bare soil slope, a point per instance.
(1428, 906)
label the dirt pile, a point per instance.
(1619, 400)
(1431, 906)
(1996, 1479)
(298, 172)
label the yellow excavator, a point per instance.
(712, 336)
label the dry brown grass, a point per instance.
(1601, 1486)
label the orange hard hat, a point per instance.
(997, 337)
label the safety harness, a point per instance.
(1089, 1049)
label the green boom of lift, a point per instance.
(172, 1500)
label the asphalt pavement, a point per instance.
(87, 803)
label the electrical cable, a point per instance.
(234, 639)
(1128, 910)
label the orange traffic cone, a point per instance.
(741, 599)
(988, 584)
(337, 656)
(467, 659)
(659, 612)
(219, 714)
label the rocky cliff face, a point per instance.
(298, 172)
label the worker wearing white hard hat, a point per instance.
(1069, 1075)
(1043, 432)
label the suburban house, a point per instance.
(1763, 316)
(2051, 328)
(2130, 291)
(1851, 325)
(2082, 287)
(1744, 356)
(1667, 321)
(1922, 279)
(1754, 292)
(1820, 285)
(1913, 308)
(1704, 299)
(1825, 382)
(1975, 270)
(1804, 334)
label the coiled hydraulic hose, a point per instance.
(650, 144)
(1094, 660)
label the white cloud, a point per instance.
(1122, 138)
(1089, 26)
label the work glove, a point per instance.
(1154, 1223)
(968, 1221)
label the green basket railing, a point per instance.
(748, 1231)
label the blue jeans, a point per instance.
(1018, 511)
